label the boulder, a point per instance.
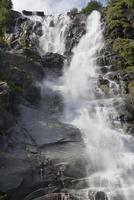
(54, 62)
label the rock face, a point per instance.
(37, 150)
(20, 36)
(54, 62)
(76, 30)
(20, 69)
(119, 35)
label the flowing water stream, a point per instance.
(110, 152)
(54, 28)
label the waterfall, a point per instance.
(110, 152)
(54, 29)
(54, 33)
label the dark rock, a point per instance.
(75, 31)
(21, 35)
(21, 73)
(125, 113)
(94, 195)
(39, 13)
(53, 61)
(129, 128)
(4, 89)
(30, 13)
(27, 13)
(101, 196)
(103, 61)
(10, 182)
(37, 29)
(103, 81)
(104, 70)
(52, 23)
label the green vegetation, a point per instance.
(131, 88)
(5, 18)
(125, 49)
(74, 11)
(24, 43)
(119, 20)
(115, 14)
(120, 30)
(92, 5)
(2, 196)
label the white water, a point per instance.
(110, 152)
(53, 38)
(54, 28)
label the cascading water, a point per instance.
(110, 152)
(54, 29)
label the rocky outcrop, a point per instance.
(53, 62)
(17, 85)
(30, 13)
(76, 30)
(21, 34)
(118, 55)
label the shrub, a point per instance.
(92, 5)
(5, 15)
(74, 11)
(125, 49)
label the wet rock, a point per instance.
(22, 35)
(6, 107)
(103, 81)
(103, 61)
(7, 120)
(129, 128)
(52, 23)
(103, 84)
(53, 61)
(37, 29)
(10, 182)
(125, 113)
(101, 196)
(4, 88)
(104, 70)
(75, 31)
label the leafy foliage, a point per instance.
(5, 17)
(115, 14)
(74, 11)
(120, 28)
(92, 5)
(125, 48)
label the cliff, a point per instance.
(23, 118)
